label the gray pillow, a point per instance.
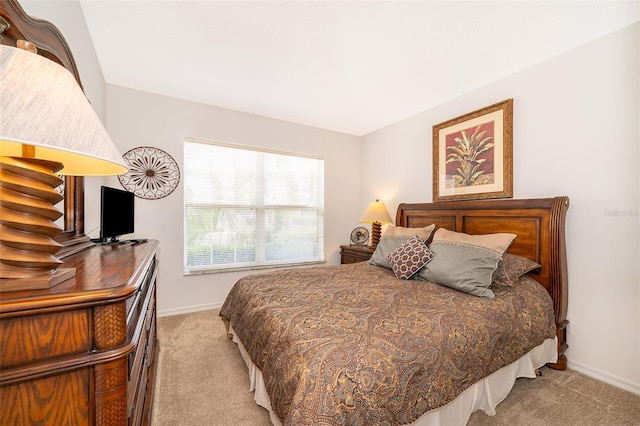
(463, 267)
(384, 249)
(511, 267)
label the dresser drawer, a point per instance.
(136, 412)
(137, 360)
(141, 392)
(37, 338)
(136, 366)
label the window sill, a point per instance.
(205, 271)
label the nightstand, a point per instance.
(353, 254)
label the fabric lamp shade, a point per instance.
(47, 128)
(377, 215)
(376, 212)
(42, 105)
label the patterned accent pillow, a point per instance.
(409, 258)
(510, 268)
(392, 238)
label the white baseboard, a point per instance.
(188, 310)
(605, 377)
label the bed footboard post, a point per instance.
(559, 277)
(561, 333)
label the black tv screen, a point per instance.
(116, 213)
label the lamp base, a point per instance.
(37, 283)
(375, 234)
(27, 229)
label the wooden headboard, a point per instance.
(538, 224)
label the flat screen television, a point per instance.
(116, 214)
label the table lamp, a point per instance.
(377, 215)
(47, 128)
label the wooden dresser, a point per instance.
(85, 351)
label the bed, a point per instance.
(355, 344)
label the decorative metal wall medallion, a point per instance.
(153, 174)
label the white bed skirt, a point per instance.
(484, 395)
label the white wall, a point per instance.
(67, 16)
(575, 133)
(137, 118)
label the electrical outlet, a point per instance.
(570, 325)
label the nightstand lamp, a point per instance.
(47, 128)
(377, 215)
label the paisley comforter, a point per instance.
(352, 344)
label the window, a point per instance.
(246, 208)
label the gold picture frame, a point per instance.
(473, 155)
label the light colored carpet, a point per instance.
(202, 380)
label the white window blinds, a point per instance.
(248, 208)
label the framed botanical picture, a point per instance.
(473, 155)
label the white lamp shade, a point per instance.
(376, 213)
(42, 105)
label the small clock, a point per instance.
(359, 236)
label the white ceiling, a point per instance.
(348, 66)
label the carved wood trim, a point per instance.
(46, 36)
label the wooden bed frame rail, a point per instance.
(540, 228)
